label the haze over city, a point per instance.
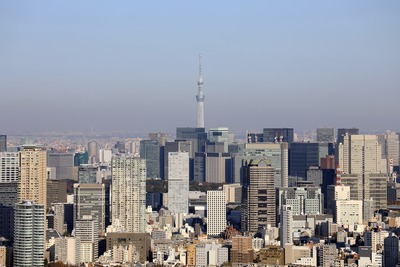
(130, 66)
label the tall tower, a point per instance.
(200, 99)
(29, 234)
(129, 193)
(33, 174)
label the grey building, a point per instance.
(87, 174)
(93, 152)
(150, 151)
(63, 164)
(89, 200)
(326, 135)
(220, 134)
(391, 250)
(197, 137)
(213, 167)
(271, 135)
(3, 143)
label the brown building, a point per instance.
(328, 163)
(56, 191)
(242, 251)
(271, 255)
(258, 195)
(141, 241)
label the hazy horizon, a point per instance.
(133, 67)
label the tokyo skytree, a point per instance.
(200, 99)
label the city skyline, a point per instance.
(265, 64)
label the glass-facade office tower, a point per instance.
(128, 193)
(271, 135)
(150, 151)
(220, 134)
(89, 200)
(29, 234)
(197, 137)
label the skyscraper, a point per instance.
(93, 151)
(326, 135)
(200, 99)
(286, 228)
(178, 182)
(150, 151)
(271, 135)
(63, 163)
(175, 146)
(341, 132)
(219, 134)
(33, 174)
(89, 199)
(216, 212)
(29, 234)
(258, 195)
(391, 250)
(129, 193)
(196, 136)
(86, 230)
(3, 143)
(360, 155)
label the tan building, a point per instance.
(3, 256)
(258, 195)
(271, 255)
(242, 251)
(33, 174)
(141, 241)
(191, 255)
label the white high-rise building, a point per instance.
(178, 182)
(29, 234)
(9, 167)
(361, 155)
(67, 250)
(86, 229)
(216, 212)
(129, 193)
(286, 227)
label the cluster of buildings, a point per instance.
(274, 202)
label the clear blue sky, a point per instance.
(132, 66)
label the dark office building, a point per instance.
(271, 135)
(6, 222)
(107, 198)
(343, 131)
(197, 137)
(8, 198)
(154, 199)
(57, 191)
(3, 143)
(81, 158)
(304, 155)
(150, 151)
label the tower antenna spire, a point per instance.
(200, 98)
